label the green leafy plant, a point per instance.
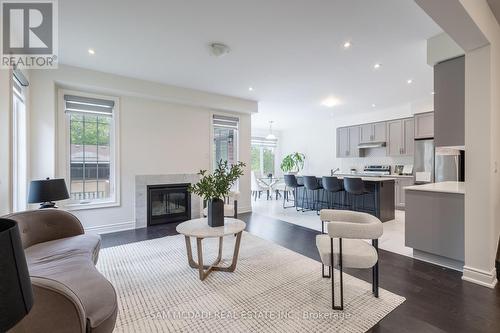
(216, 185)
(293, 162)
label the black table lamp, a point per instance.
(15, 285)
(46, 191)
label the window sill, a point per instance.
(90, 205)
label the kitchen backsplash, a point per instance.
(359, 163)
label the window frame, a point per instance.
(22, 96)
(212, 137)
(260, 143)
(64, 155)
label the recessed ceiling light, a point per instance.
(347, 44)
(330, 102)
(377, 66)
(374, 105)
(219, 49)
(409, 81)
(91, 51)
(250, 88)
(433, 93)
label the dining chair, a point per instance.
(344, 246)
(257, 187)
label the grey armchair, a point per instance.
(70, 295)
(343, 245)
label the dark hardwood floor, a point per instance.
(437, 300)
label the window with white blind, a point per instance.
(225, 139)
(91, 161)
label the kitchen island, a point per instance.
(379, 201)
(434, 222)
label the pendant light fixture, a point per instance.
(271, 136)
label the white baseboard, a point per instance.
(107, 228)
(479, 276)
(247, 209)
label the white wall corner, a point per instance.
(480, 277)
(441, 47)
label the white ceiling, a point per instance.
(289, 51)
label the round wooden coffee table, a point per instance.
(199, 229)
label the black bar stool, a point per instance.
(311, 183)
(291, 182)
(355, 187)
(333, 187)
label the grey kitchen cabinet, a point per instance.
(374, 132)
(394, 137)
(449, 103)
(424, 125)
(400, 137)
(434, 224)
(343, 142)
(409, 137)
(399, 191)
(379, 132)
(366, 132)
(347, 141)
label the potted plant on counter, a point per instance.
(293, 163)
(214, 187)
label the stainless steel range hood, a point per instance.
(377, 144)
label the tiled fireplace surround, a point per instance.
(141, 183)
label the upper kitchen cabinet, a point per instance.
(400, 137)
(375, 132)
(348, 141)
(424, 125)
(449, 103)
(409, 137)
(353, 141)
(343, 142)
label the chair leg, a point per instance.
(375, 273)
(318, 205)
(295, 193)
(305, 197)
(335, 307)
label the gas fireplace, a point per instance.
(168, 203)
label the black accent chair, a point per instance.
(291, 182)
(312, 184)
(355, 187)
(333, 187)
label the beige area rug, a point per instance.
(272, 290)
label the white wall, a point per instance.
(482, 204)
(318, 141)
(474, 28)
(158, 136)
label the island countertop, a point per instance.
(442, 187)
(364, 178)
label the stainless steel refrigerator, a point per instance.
(448, 164)
(423, 161)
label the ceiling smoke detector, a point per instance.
(219, 49)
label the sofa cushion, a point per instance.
(70, 261)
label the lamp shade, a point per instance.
(47, 190)
(15, 285)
